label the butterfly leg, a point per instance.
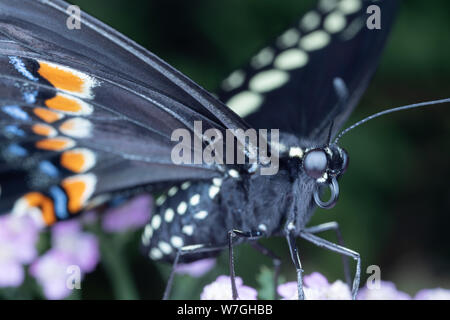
(341, 250)
(276, 264)
(184, 251)
(249, 235)
(298, 265)
(333, 225)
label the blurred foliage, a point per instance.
(394, 205)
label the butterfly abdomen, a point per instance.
(202, 213)
(186, 214)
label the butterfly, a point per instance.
(87, 114)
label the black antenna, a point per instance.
(329, 132)
(376, 115)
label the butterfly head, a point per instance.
(325, 165)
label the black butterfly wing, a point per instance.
(314, 73)
(87, 111)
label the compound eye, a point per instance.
(315, 163)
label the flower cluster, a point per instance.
(18, 237)
(72, 248)
(221, 290)
(317, 287)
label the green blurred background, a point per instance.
(394, 207)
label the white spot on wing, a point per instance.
(245, 103)
(315, 40)
(288, 38)
(310, 21)
(327, 5)
(268, 80)
(291, 59)
(263, 58)
(349, 6)
(334, 22)
(234, 80)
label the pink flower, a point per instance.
(129, 216)
(197, 268)
(82, 246)
(433, 294)
(18, 237)
(51, 271)
(221, 290)
(386, 291)
(71, 247)
(316, 287)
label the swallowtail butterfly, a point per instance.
(87, 114)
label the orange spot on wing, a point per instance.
(63, 103)
(42, 129)
(37, 199)
(54, 144)
(47, 115)
(61, 79)
(73, 161)
(75, 190)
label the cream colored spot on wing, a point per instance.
(291, 59)
(334, 22)
(76, 127)
(234, 80)
(315, 40)
(268, 80)
(263, 58)
(310, 21)
(288, 38)
(327, 5)
(245, 103)
(349, 6)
